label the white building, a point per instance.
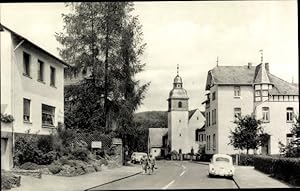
(183, 126)
(242, 90)
(32, 84)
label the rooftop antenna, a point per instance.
(177, 69)
(217, 60)
(261, 55)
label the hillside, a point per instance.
(152, 119)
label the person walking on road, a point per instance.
(152, 163)
(144, 164)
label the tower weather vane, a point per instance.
(177, 69)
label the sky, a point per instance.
(189, 34)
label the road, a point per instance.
(171, 175)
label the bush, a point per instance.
(286, 169)
(54, 169)
(206, 157)
(246, 160)
(9, 180)
(25, 149)
(45, 143)
(29, 166)
(80, 154)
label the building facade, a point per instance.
(31, 90)
(183, 124)
(247, 90)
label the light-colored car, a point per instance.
(137, 156)
(221, 165)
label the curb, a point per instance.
(114, 181)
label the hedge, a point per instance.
(286, 169)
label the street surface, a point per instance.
(171, 175)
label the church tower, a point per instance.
(178, 116)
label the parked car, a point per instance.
(137, 156)
(221, 165)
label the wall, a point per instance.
(39, 93)
(155, 152)
(226, 102)
(179, 128)
(277, 126)
(195, 122)
(212, 128)
(6, 74)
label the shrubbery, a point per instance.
(8, 180)
(34, 149)
(54, 168)
(246, 160)
(286, 169)
(29, 166)
(80, 154)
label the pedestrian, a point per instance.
(152, 163)
(144, 164)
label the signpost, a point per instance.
(96, 145)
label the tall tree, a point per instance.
(248, 133)
(94, 44)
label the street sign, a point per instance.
(96, 144)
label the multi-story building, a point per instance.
(183, 125)
(32, 90)
(242, 90)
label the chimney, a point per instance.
(267, 67)
(249, 65)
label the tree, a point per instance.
(248, 134)
(296, 126)
(104, 41)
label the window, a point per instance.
(265, 93)
(207, 142)
(26, 110)
(208, 118)
(197, 118)
(257, 93)
(41, 70)
(48, 113)
(180, 104)
(26, 64)
(265, 114)
(179, 121)
(237, 91)
(289, 114)
(214, 116)
(213, 95)
(237, 112)
(52, 76)
(214, 141)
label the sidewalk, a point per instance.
(248, 177)
(60, 183)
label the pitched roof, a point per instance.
(33, 44)
(282, 87)
(262, 75)
(155, 135)
(191, 113)
(248, 75)
(233, 74)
